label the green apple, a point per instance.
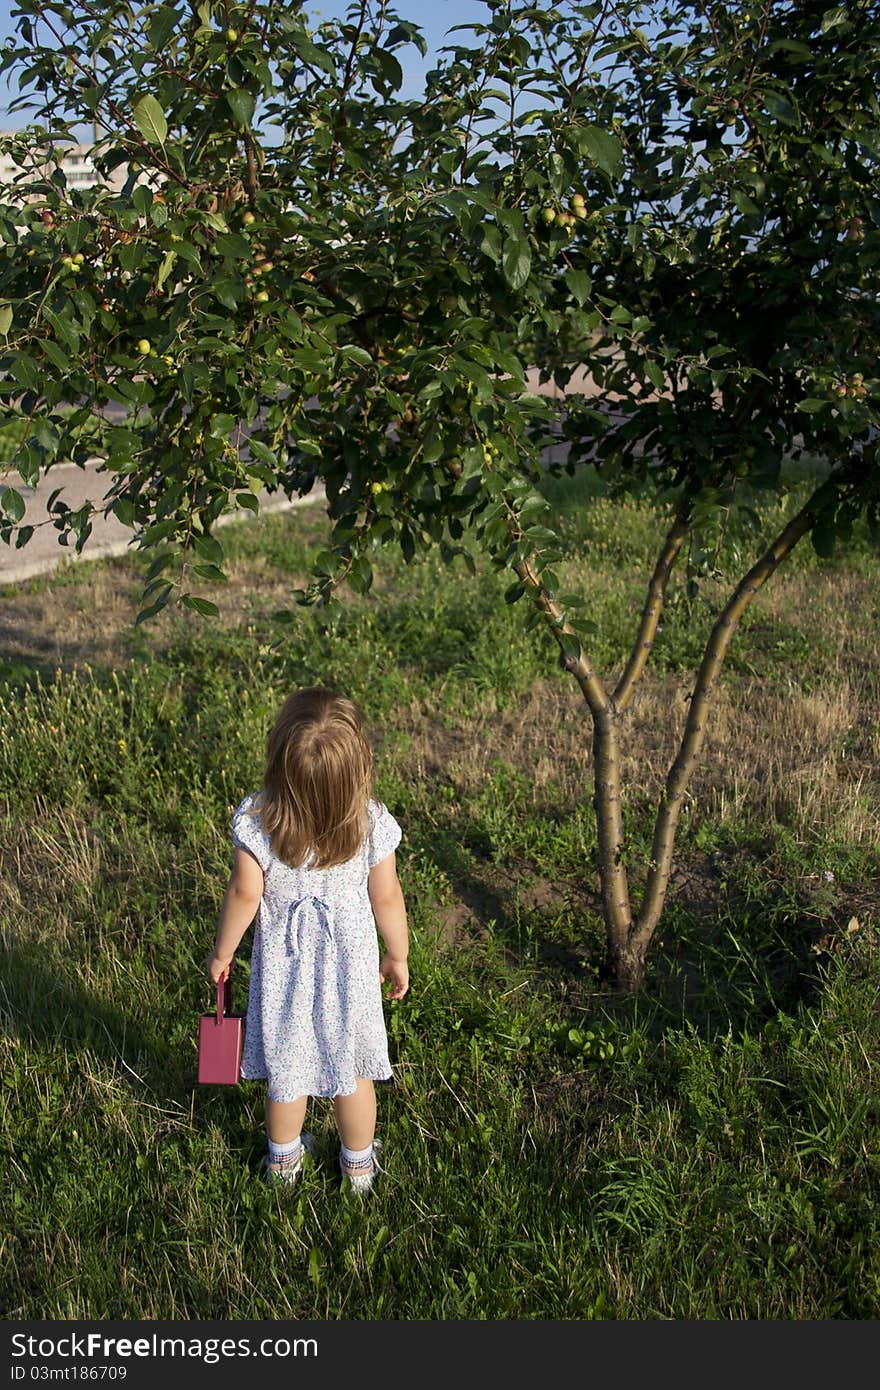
(144, 346)
(232, 36)
(248, 218)
(548, 215)
(262, 297)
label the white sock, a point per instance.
(284, 1153)
(357, 1158)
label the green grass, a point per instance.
(710, 1149)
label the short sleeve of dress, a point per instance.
(247, 833)
(385, 834)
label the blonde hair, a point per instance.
(317, 784)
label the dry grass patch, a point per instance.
(806, 758)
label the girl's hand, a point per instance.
(218, 967)
(397, 973)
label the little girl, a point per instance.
(314, 855)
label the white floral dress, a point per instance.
(314, 1019)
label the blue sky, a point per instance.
(434, 17)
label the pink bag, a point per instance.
(221, 1039)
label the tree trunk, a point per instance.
(629, 937)
(626, 959)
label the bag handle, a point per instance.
(224, 996)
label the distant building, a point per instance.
(72, 158)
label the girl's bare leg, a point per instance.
(356, 1116)
(284, 1119)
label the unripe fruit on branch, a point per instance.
(248, 218)
(232, 35)
(144, 346)
(262, 297)
(548, 216)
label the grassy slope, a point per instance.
(720, 1160)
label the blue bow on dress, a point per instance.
(311, 913)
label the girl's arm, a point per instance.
(239, 908)
(389, 910)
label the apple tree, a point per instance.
(305, 276)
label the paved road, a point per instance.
(109, 537)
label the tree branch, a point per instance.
(695, 728)
(591, 686)
(638, 658)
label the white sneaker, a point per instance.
(287, 1174)
(362, 1181)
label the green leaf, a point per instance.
(24, 370)
(491, 243)
(55, 355)
(227, 293)
(209, 548)
(308, 51)
(600, 146)
(200, 605)
(655, 373)
(241, 103)
(12, 503)
(165, 268)
(156, 606)
(222, 426)
(5, 318)
(360, 575)
(811, 405)
(780, 107)
(212, 573)
(391, 69)
(516, 262)
(356, 354)
(263, 453)
(744, 203)
(162, 26)
(580, 284)
(308, 359)
(150, 119)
